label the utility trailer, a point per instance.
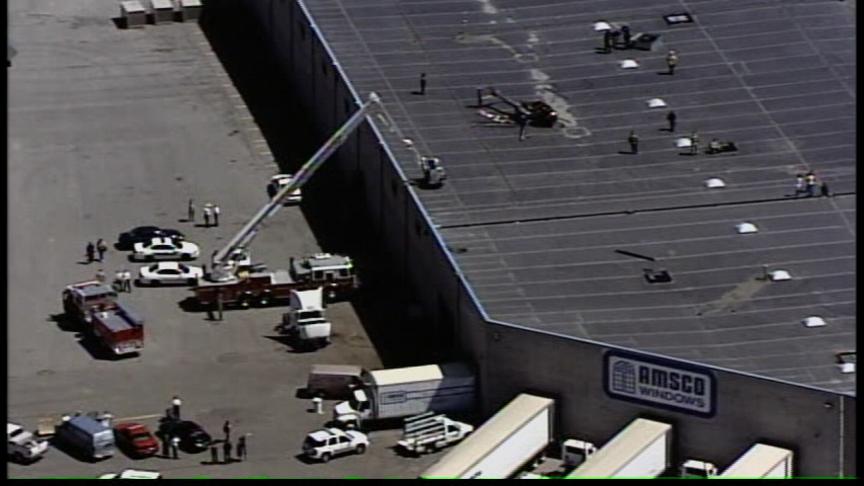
(641, 450)
(518, 433)
(761, 462)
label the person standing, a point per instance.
(633, 140)
(226, 450)
(90, 251)
(241, 447)
(100, 276)
(175, 407)
(214, 453)
(823, 189)
(166, 444)
(607, 41)
(119, 284)
(216, 212)
(694, 143)
(625, 34)
(226, 429)
(191, 212)
(799, 184)
(810, 179)
(101, 248)
(175, 447)
(522, 121)
(672, 60)
(127, 280)
(207, 212)
(422, 83)
(672, 118)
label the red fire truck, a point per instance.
(96, 307)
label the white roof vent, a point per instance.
(745, 228)
(814, 321)
(656, 103)
(780, 275)
(714, 183)
(683, 142)
(847, 368)
(600, 26)
(629, 64)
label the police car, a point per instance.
(165, 249)
(278, 182)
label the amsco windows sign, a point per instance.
(660, 383)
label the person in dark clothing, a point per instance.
(226, 449)
(823, 190)
(672, 118)
(241, 448)
(522, 121)
(810, 178)
(101, 247)
(214, 454)
(175, 447)
(633, 140)
(607, 41)
(226, 428)
(625, 36)
(166, 445)
(90, 251)
(422, 83)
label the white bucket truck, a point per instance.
(428, 432)
(305, 321)
(402, 392)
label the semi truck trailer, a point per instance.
(761, 462)
(514, 436)
(641, 450)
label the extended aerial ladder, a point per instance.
(225, 261)
(537, 113)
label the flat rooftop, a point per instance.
(557, 231)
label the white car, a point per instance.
(165, 249)
(278, 182)
(22, 445)
(325, 443)
(169, 272)
(132, 474)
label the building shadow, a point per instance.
(235, 39)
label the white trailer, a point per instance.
(640, 450)
(761, 462)
(515, 435)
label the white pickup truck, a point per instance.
(22, 445)
(428, 432)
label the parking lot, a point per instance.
(111, 129)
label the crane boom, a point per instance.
(223, 268)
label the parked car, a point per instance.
(135, 439)
(143, 234)
(325, 443)
(193, 438)
(133, 474)
(169, 273)
(21, 445)
(278, 182)
(165, 249)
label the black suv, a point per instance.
(141, 234)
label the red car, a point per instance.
(135, 439)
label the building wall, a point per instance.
(748, 409)
(514, 360)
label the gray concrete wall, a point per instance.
(749, 409)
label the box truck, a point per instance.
(641, 450)
(514, 436)
(402, 392)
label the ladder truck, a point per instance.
(232, 284)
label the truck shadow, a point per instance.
(290, 344)
(66, 323)
(73, 452)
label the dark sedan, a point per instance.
(192, 437)
(143, 234)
